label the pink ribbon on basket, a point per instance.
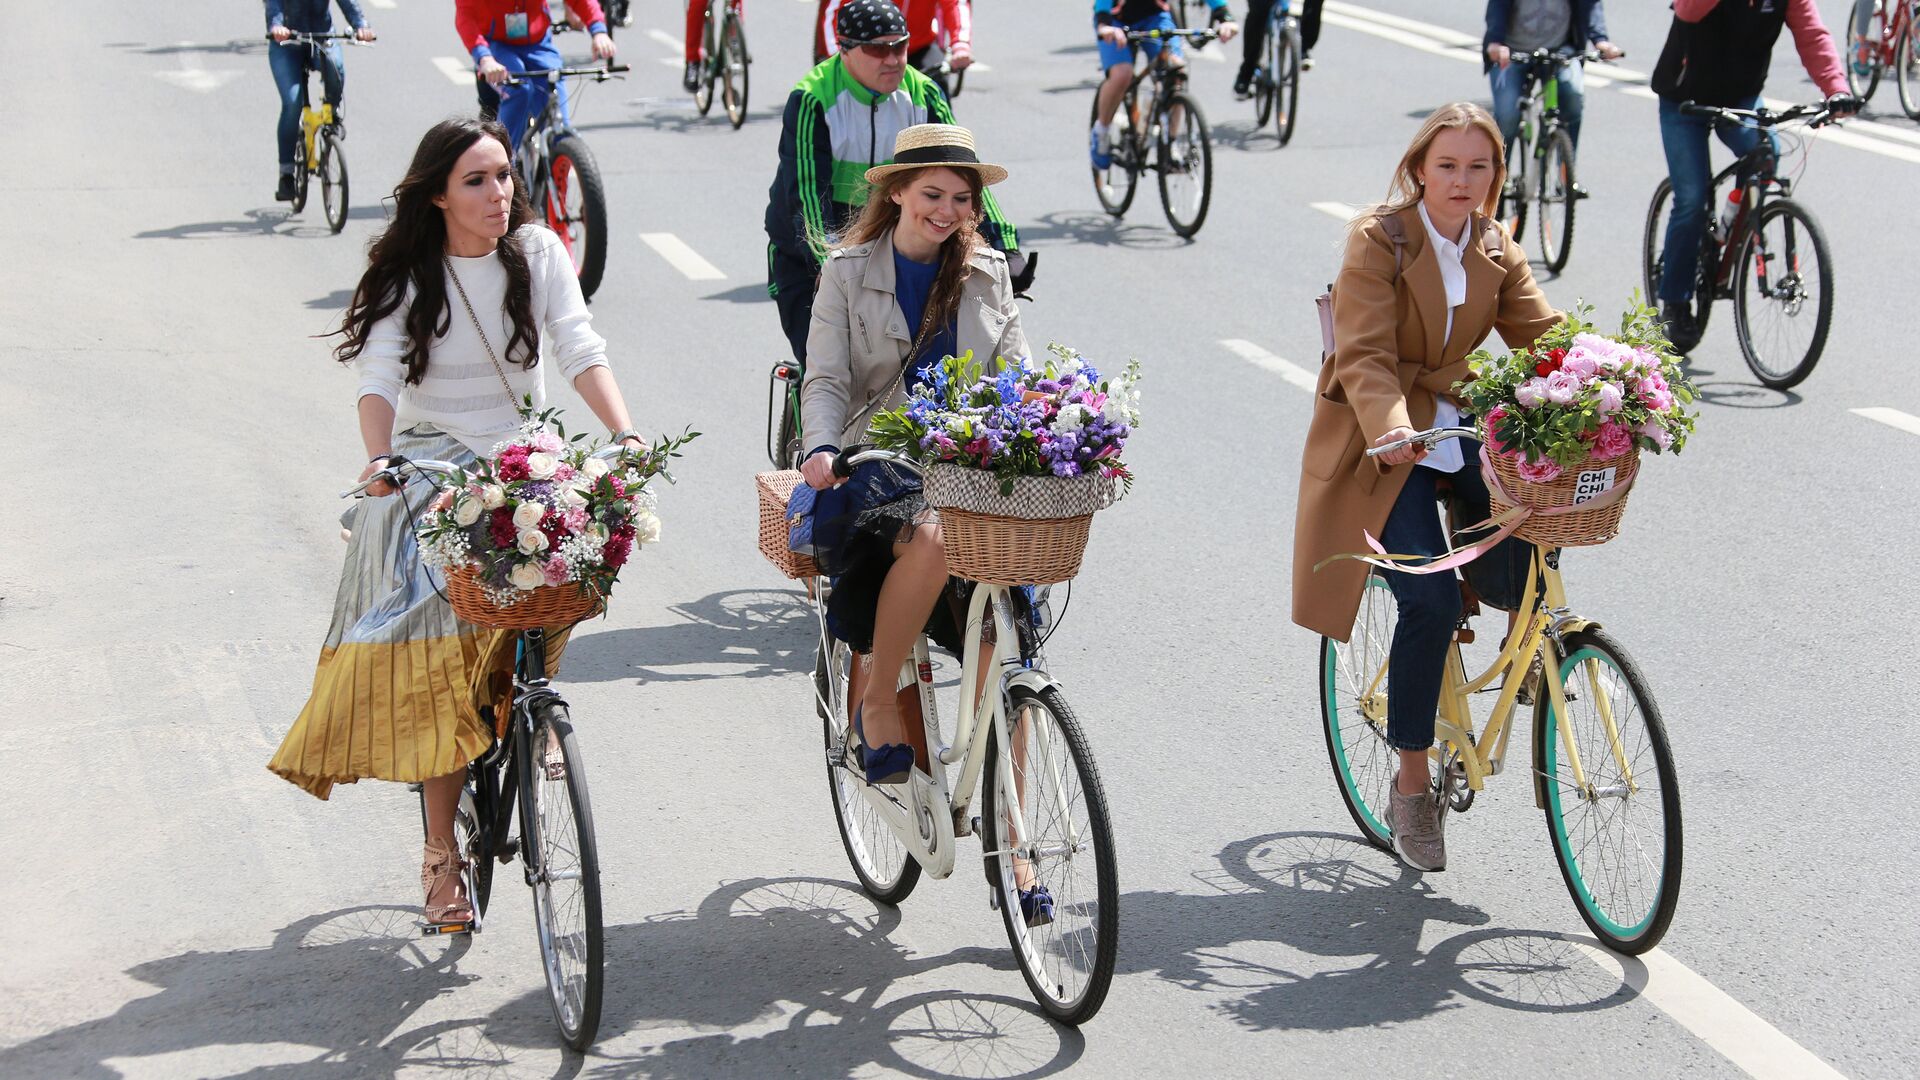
(1514, 516)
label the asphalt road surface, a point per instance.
(173, 909)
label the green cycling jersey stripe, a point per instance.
(812, 116)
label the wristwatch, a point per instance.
(626, 433)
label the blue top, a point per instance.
(912, 285)
(312, 16)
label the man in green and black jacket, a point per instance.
(841, 121)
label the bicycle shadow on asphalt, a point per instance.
(266, 221)
(236, 47)
(743, 294)
(331, 996)
(739, 633)
(683, 119)
(1105, 230)
(1736, 395)
(787, 975)
(1335, 896)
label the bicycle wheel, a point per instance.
(1782, 307)
(1115, 184)
(1286, 94)
(887, 871)
(703, 91)
(1863, 86)
(576, 209)
(733, 71)
(1513, 197)
(783, 436)
(1555, 193)
(566, 888)
(333, 181)
(1653, 258)
(1906, 72)
(1617, 837)
(301, 175)
(1264, 83)
(1186, 165)
(1068, 963)
(1353, 712)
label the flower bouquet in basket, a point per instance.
(1564, 422)
(535, 533)
(1018, 458)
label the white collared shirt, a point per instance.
(1451, 255)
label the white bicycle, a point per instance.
(1044, 825)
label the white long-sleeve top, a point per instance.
(460, 393)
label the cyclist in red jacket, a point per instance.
(507, 37)
(954, 32)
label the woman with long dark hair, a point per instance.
(463, 306)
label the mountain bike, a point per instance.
(1043, 822)
(563, 180)
(319, 152)
(1540, 157)
(1893, 44)
(1171, 140)
(1603, 773)
(1772, 262)
(1276, 82)
(532, 775)
(726, 60)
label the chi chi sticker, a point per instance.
(1591, 484)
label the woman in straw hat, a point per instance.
(911, 282)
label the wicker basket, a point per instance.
(1578, 528)
(548, 605)
(1034, 536)
(774, 488)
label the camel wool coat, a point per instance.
(1392, 359)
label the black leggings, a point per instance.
(1254, 33)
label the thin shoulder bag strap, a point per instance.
(484, 343)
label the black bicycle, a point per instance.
(563, 181)
(1171, 139)
(1540, 157)
(727, 62)
(1770, 256)
(531, 774)
(318, 152)
(1276, 82)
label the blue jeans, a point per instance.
(1690, 168)
(289, 64)
(519, 104)
(1507, 83)
(1430, 603)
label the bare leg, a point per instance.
(912, 587)
(1414, 777)
(441, 795)
(1119, 77)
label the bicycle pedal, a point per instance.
(448, 929)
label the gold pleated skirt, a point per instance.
(401, 680)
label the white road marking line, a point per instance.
(1420, 41)
(1218, 56)
(672, 61)
(681, 257)
(1894, 418)
(980, 67)
(198, 80)
(455, 69)
(384, 5)
(669, 41)
(1757, 1047)
(1641, 92)
(1337, 210)
(1261, 358)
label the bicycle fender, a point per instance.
(1031, 679)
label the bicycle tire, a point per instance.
(333, 181)
(1095, 963)
(1513, 195)
(1794, 363)
(1126, 157)
(782, 429)
(734, 55)
(1198, 141)
(886, 869)
(1287, 91)
(703, 89)
(1353, 700)
(301, 176)
(1872, 78)
(1264, 82)
(1555, 192)
(1634, 923)
(558, 811)
(1906, 71)
(1653, 257)
(571, 160)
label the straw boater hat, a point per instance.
(945, 145)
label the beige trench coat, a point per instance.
(859, 339)
(1389, 368)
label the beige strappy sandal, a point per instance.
(442, 862)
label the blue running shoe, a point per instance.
(1102, 153)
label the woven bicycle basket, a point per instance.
(548, 605)
(773, 489)
(1036, 535)
(1579, 528)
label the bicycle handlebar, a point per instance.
(556, 74)
(399, 467)
(1198, 37)
(1817, 115)
(1550, 58)
(1430, 438)
(303, 37)
(845, 460)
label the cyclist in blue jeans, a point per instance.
(1717, 53)
(508, 37)
(286, 18)
(1518, 27)
(1112, 20)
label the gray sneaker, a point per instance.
(1418, 835)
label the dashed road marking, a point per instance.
(669, 41)
(384, 5)
(1337, 210)
(198, 80)
(1261, 358)
(455, 69)
(681, 257)
(1893, 418)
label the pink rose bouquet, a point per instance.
(1578, 394)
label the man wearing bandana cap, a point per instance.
(840, 121)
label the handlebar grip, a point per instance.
(1376, 451)
(615, 69)
(842, 470)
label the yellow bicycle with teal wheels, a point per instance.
(319, 153)
(1602, 769)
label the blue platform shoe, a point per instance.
(890, 764)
